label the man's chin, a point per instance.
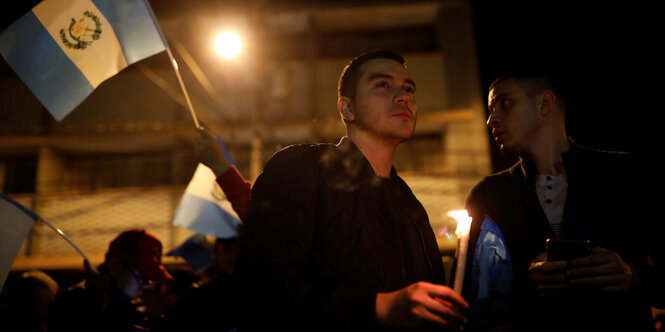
(508, 151)
(403, 135)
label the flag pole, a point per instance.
(57, 230)
(182, 86)
(175, 66)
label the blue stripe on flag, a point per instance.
(133, 24)
(55, 80)
(205, 217)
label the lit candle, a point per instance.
(462, 232)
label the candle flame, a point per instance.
(463, 221)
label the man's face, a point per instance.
(514, 118)
(385, 105)
(130, 282)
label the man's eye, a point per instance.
(382, 84)
(500, 104)
(410, 89)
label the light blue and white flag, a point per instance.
(204, 207)
(491, 272)
(63, 49)
(15, 224)
(197, 250)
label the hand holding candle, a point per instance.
(462, 232)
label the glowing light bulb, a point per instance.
(228, 45)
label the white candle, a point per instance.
(462, 232)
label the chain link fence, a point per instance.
(93, 220)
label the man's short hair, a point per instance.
(348, 80)
(534, 83)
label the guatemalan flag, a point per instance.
(63, 49)
(204, 207)
(15, 224)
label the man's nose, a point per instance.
(403, 97)
(492, 120)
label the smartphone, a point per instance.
(566, 250)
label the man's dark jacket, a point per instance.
(323, 235)
(610, 201)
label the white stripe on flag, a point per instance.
(204, 208)
(63, 49)
(15, 223)
(81, 19)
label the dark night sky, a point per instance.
(606, 54)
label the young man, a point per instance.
(561, 190)
(334, 239)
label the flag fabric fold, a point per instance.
(63, 49)
(204, 207)
(197, 250)
(15, 224)
(491, 272)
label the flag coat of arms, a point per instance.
(63, 49)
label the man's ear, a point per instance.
(344, 108)
(547, 101)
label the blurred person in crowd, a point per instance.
(109, 301)
(237, 191)
(160, 299)
(560, 190)
(212, 305)
(334, 239)
(26, 302)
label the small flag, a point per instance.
(63, 49)
(204, 207)
(491, 272)
(15, 223)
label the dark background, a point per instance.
(606, 53)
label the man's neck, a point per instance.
(548, 158)
(378, 152)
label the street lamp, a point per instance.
(228, 45)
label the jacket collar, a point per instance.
(347, 146)
(526, 168)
